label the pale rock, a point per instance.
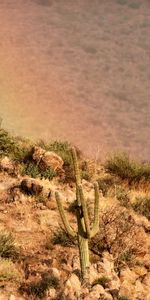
(97, 292)
(56, 273)
(47, 159)
(12, 297)
(72, 287)
(93, 274)
(51, 293)
(146, 283)
(147, 297)
(127, 289)
(7, 165)
(139, 290)
(128, 275)
(139, 270)
(3, 297)
(108, 264)
(114, 282)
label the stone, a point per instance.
(140, 270)
(51, 293)
(127, 289)
(31, 186)
(128, 275)
(72, 287)
(96, 293)
(56, 273)
(139, 290)
(12, 297)
(7, 165)
(93, 274)
(47, 159)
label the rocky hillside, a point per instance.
(38, 260)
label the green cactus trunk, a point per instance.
(84, 257)
(84, 232)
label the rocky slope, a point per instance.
(39, 261)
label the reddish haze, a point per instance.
(78, 71)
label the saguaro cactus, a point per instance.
(84, 230)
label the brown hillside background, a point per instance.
(78, 71)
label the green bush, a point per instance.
(7, 144)
(32, 169)
(120, 165)
(49, 173)
(8, 271)
(123, 196)
(123, 298)
(105, 184)
(7, 245)
(102, 281)
(38, 289)
(62, 238)
(142, 206)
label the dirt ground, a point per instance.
(77, 70)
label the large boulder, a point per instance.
(46, 159)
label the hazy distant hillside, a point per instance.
(77, 70)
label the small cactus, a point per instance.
(84, 230)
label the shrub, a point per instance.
(7, 144)
(122, 166)
(119, 235)
(7, 245)
(123, 298)
(8, 271)
(105, 183)
(122, 196)
(142, 206)
(32, 169)
(62, 238)
(38, 289)
(102, 281)
(49, 173)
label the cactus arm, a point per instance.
(95, 227)
(68, 229)
(76, 166)
(85, 211)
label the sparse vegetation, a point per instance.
(119, 235)
(7, 143)
(105, 184)
(123, 298)
(7, 245)
(121, 166)
(122, 195)
(38, 289)
(32, 169)
(62, 238)
(8, 271)
(103, 280)
(142, 206)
